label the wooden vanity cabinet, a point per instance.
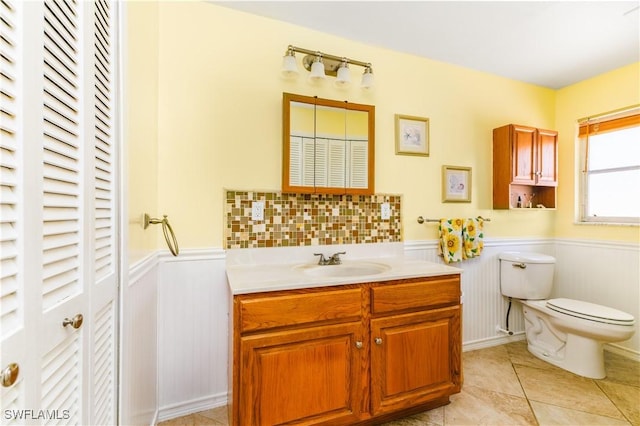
(525, 162)
(298, 357)
(416, 343)
(353, 354)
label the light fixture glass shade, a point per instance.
(317, 71)
(344, 75)
(289, 66)
(367, 79)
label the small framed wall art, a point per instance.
(456, 184)
(412, 135)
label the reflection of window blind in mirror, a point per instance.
(336, 166)
(301, 160)
(295, 160)
(308, 160)
(357, 164)
(321, 162)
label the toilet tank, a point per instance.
(526, 275)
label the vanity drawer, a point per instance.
(421, 293)
(259, 312)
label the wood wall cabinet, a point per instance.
(353, 354)
(525, 162)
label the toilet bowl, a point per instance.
(567, 333)
(573, 339)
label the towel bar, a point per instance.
(423, 220)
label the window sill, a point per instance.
(634, 224)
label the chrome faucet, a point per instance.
(333, 260)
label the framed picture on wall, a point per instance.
(456, 184)
(412, 135)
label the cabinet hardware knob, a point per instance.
(359, 345)
(10, 374)
(378, 340)
(74, 322)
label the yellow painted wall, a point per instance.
(140, 123)
(220, 95)
(219, 120)
(607, 92)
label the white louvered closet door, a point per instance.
(59, 213)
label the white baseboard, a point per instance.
(155, 420)
(492, 341)
(193, 406)
(621, 350)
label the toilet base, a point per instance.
(579, 355)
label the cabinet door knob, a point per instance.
(10, 374)
(359, 345)
(378, 340)
(74, 322)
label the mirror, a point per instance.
(328, 146)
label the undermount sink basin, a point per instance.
(346, 269)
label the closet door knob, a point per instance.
(359, 345)
(10, 374)
(378, 340)
(74, 322)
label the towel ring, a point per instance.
(166, 229)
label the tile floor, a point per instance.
(506, 385)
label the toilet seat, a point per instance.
(590, 311)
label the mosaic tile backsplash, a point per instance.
(309, 219)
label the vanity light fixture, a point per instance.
(367, 79)
(321, 64)
(289, 66)
(317, 70)
(343, 77)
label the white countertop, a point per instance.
(287, 268)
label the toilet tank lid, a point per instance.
(526, 257)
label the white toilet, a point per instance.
(567, 333)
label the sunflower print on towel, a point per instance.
(472, 236)
(451, 239)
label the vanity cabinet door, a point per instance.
(311, 376)
(415, 358)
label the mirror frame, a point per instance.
(287, 98)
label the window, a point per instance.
(610, 165)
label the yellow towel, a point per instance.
(472, 237)
(460, 239)
(451, 239)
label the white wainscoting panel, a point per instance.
(192, 340)
(193, 308)
(604, 273)
(139, 348)
(484, 308)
